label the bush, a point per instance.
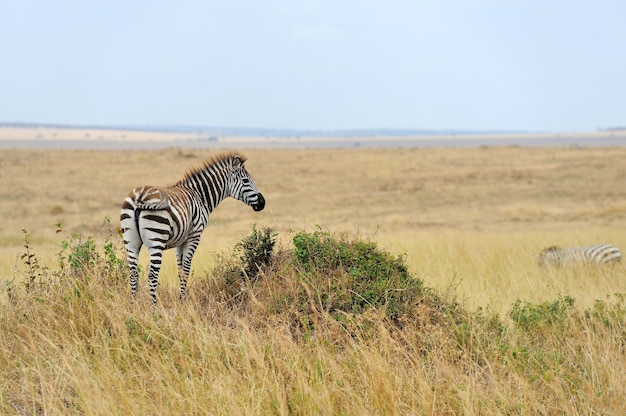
(354, 275)
(325, 282)
(554, 314)
(81, 256)
(253, 254)
(255, 251)
(33, 270)
(78, 257)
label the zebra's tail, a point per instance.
(140, 199)
(137, 212)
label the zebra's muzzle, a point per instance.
(260, 204)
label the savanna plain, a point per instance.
(474, 326)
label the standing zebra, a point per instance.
(598, 255)
(175, 216)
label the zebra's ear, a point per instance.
(237, 162)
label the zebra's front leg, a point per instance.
(184, 255)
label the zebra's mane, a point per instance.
(217, 162)
(551, 249)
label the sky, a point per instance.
(531, 65)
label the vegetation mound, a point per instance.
(325, 281)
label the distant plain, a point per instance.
(51, 137)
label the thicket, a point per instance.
(334, 291)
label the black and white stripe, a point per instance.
(599, 254)
(175, 216)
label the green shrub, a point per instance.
(82, 253)
(255, 251)
(324, 281)
(352, 275)
(251, 255)
(30, 260)
(527, 315)
(80, 256)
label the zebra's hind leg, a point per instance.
(182, 279)
(134, 280)
(184, 254)
(132, 242)
(156, 255)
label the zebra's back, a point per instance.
(604, 253)
(599, 254)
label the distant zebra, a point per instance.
(175, 216)
(599, 254)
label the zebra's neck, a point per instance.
(211, 183)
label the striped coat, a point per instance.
(597, 255)
(161, 218)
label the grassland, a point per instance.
(467, 221)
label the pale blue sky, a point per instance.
(344, 64)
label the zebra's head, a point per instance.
(549, 256)
(242, 187)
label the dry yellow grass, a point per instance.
(468, 220)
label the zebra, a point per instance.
(175, 216)
(598, 255)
